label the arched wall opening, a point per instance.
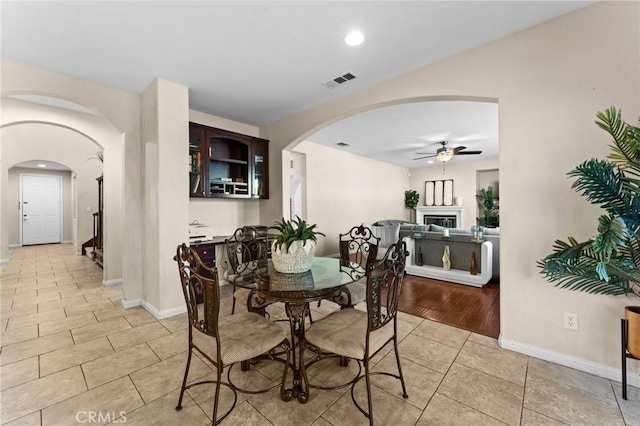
(31, 131)
(117, 127)
(348, 189)
(23, 142)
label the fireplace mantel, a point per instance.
(423, 211)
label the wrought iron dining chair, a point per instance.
(223, 341)
(247, 251)
(359, 335)
(358, 252)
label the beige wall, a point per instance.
(549, 82)
(345, 190)
(464, 183)
(15, 221)
(164, 133)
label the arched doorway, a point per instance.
(347, 187)
(34, 131)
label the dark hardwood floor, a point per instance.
(462, 306)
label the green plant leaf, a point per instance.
(610, 262)
(293, 230)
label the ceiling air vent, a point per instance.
(343, 144)
(340, 80)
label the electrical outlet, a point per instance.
(571, 321)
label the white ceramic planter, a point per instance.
(297, 259)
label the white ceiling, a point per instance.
(258, 62)
(396, 133)
(37, 164)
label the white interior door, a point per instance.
(41, 209)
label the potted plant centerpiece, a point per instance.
(294, 246)
(609, 263)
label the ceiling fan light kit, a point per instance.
(444, 154)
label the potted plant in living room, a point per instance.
(491, 212)
(411, 198)
(294, 245)
(608, 263)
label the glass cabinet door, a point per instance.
(197, 161)
(260, 175)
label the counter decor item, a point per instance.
(446, 259)
(473, 267)
(294, 246)
(445, 232)
(419, 259)
(477, 233)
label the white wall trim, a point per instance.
(167, 313)
(4, 261)
(69, 242)
(112, 283)
(130, 303)
(601, 370)
(15, 245)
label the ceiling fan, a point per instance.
(445, 154)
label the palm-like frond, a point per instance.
(612, 234)
(609, 263)
(598, 181)
(625, 150)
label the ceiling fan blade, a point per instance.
(459, 148)
(468, 152)
(426, 153)
(428, 156)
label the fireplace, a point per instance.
(448, 216)
(441, 220)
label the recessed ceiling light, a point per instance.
(354, 38)
(42, 165)
(430, 162)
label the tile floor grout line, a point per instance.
(524, 390)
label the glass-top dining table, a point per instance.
(326, 280)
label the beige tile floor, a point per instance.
(69, 349)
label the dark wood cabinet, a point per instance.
(207, 253)
(197, 161)
(225, 164)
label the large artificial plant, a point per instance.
(491, 212)
(609, 262)
(411, 198)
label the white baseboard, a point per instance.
(112, 283)
(130, 303)
(68, 242)
(15, 245)
(590, 367)
(167, 313)
(4, 261)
